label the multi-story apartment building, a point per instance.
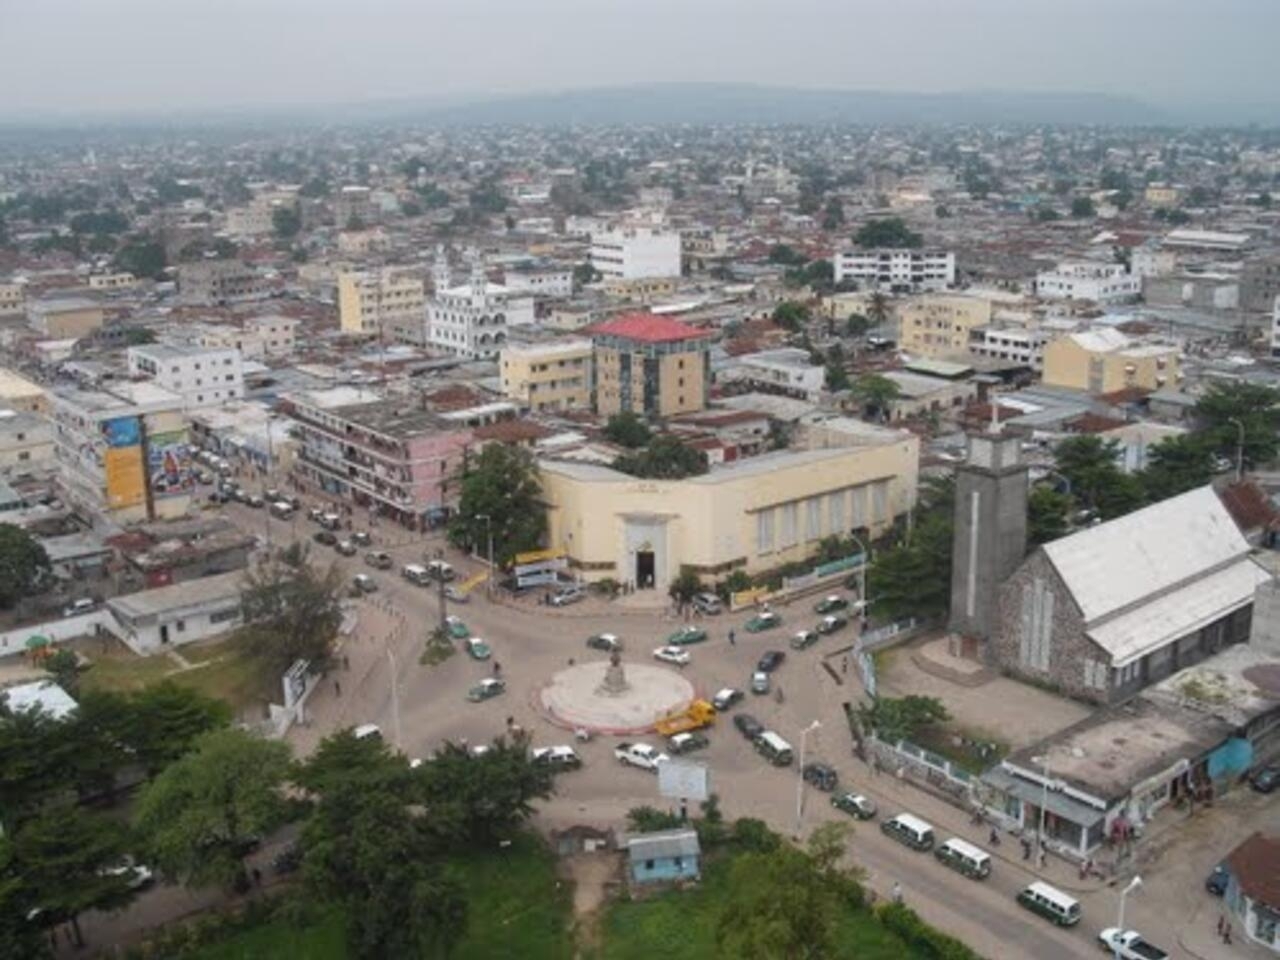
(1099, 282)
(1260, 283)
(471, 320)
(396, 461)
(1105, 360)
(939, 325)
(66, 318)
(1161, 195)
(26, 442)
(635, 252)
(550, 282)
(897, 270)
(650, 365)
(548, 376)
(201, 376)
(257, 338)
(13, 299)
(788, 371)
(1275, 327)
(211, 282)
(112, 281)
(123, 452)
(383, 303)
(1010, 343)
(19, 393)
(353, 207)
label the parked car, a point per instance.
(640, 755)
(567, 595)
(832, 623)
(821, 775)
(477, 649)
(760, 682)
(855, 804)
(361, 539)
(364, 583)
(764, 621)
(686, 742)
(254, 500)
(748, 725)
(830, 604)
(379, 560)
(219, 496)
(345, 547)
(726, 698)
(1265, 779)
(770, 661)
(439, 570)
(314, 514)
(139, 875)
(687, 635)
(456, 594)
(1130, 945)
(557, 758)
(324, 538)
(677, 655)
(804, 639)
(456, 628)
(272, 494)
(77, 607)
(486, 689)
(608, 642)
(1217, 880)
(707, 604)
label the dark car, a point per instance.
(1216, 881)
(770, 661)
(821, 775)
(748, 725)
(1265, 779)
(361, 539)
(325, 538)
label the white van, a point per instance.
(439, 570)
(774, 749)
(909, 830)
(963, 856)
(367, 731)
(282, 510)
(415, 574)
(1051, 903)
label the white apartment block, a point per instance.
(636, 252)
(382, 303)
(253, 220)
(257, 338)
(1099, 282)
(112, 281)
(202, 376)
(787, 370)
(471, 320)
(1275, 329)
(897, 270)
(549, 282)
(1024, 345)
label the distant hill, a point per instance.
(700, 103)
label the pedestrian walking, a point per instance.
(994, 837)
(1226, 933)
(875, 765)
(1026, 849)
(897, 892)
(1040, 857)
(844, 664)
(257, 877)
(1222, 922)
(337, 689)
(497, 668)
(346, 662)
(732, 641)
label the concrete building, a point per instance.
(257, 338)
(1105, 612)
(787, 370)
(470, 320)
(26, 442)
(898, 270)
(254, 219)
(551, 282)
(219, 282)
(1204, 291)
(19, 393)
(112, 281)
(940, 325)
(921, 395)
(1135, 440)
(1212, 241)
(1015, 344)
(548, 376)
(203, 377)
(1105, 360)
(664, 856)
(383, 456)
(751, 515)
(150, 621)
(636, 252)
(1161, 195)
(13, 299)
(246, 433)
(1275, 327)
(1097, 282)
(66, 318)
(1151, 261)
(650, 365)
(1260, 283)
(1253, 890)
(353, 208)
(124, 452)
(383, 303)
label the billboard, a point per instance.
(122, 432)
(122, 463)
(169, 467)
(684, 780)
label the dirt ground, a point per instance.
(592, 876)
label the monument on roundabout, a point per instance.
(603, 696)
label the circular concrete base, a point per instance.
(571, 698)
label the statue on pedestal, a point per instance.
(615, 679)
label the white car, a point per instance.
(677, 655)
(561, 757)
(640, 755)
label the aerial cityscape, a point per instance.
(558, 481)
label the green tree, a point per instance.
(64, 667)
(1090, 465)
(791, 315)
(890, 232)
(197, 815)
(666, 458)
(833, 215)
(902, 718)
(343, 760)
(501, 484)
(857, 325)
(291, 611)
(913, 577)
(165, 721)
(24, 565)
(646, 819)
(1176, 465)
(583, 274)
(685, 586)
(66, 855)
(20, 938)
(878, 309)
(142, 256)
(314, 188)
(627, 429)
(1226, 407)
(875, 393)
(286, 222)
(36, 763)
(1082, 208)
(1048, 513)
(786, 255)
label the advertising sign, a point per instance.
(169, 466)
(126, 482)
(122, 432)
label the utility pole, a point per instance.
(1239, 447)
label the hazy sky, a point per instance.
(77, 56)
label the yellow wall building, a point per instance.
(68, 319)
(650, 365)
(393, 305)
(548, 376)
(1161, 195)
(751, 515)
(19, 393)
(1105, 360)
(938, 325)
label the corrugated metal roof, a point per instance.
(1151, 550)
(1176, 614)
(664, 843)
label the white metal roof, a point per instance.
(1136, 633)
(1133, 557)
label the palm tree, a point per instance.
(875, 393)
(878, 308)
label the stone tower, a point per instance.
(990, 530)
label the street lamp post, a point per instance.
(488, 526)
(1239, 447)
(804, 735)
(1134, 884)
(862, 579)
(1044, 803)
(395, 694)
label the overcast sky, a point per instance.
(88, 56)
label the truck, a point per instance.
(1129, 945)
(697, 715)
(639, 755)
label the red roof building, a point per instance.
(646, 328)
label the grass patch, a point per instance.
(222, 670)
(970, 749)
(682, 924)
(436, 651)
(322, 941)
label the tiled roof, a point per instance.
(1256, 866)
(647, 328)
(1248, 506)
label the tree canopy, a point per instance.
(901, 718)
(791, 315)
(889, 232)
(1226, 407)
(666, 458)
(627, 429)
(501, 484)
(875, 393)
(23, 565)
(1048, 514)
(291, 610)
(913, 577)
